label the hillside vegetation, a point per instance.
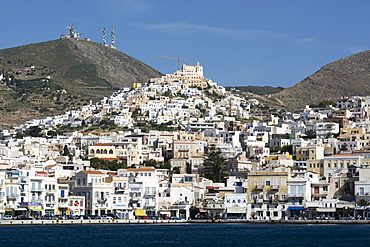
(48, 78)
(265, 90)
(345, 77)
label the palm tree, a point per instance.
(363, 203)
(345, 212)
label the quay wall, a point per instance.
(120, 221)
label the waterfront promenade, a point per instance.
(121, 221)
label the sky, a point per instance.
(238, 42)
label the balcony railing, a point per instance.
(37, 189)
(258, 187)
(12, 196)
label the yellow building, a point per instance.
(268, 193)
(316, 166)
(309, 153)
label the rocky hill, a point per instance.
(48, 78)
(345, 77)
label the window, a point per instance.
(283, 181)
(283, 197)
(361, 191)
(267, 183)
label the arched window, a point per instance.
(105, 151)
(98, 151)
(111, 151)
(92, 151)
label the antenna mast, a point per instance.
(112, 34)
(104, 36)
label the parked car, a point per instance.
(82, 217)
(59, 217)
(165, 217)
(114, 216)
(47, 217)
(175, 218)
(8, 217)
(96, 217)
(155, 218)
(203, 217)
(141, 217)
(106, 217)
(23, 217)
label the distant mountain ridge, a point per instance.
(344, 77)
(50, 77)
(259, 90)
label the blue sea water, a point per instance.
(186, 235)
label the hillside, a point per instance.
(51, 77)
(345, 77)
(265, 90)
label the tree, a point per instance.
(66, 151)
(363, 203)
(214, 165)
(310, 134)
(153, 163)
(34, 131)
(287, 148)
(113, 165)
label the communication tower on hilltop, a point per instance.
(113, 39)
(104, 37)
(72, 33)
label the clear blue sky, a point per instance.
(239, 42)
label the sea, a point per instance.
(189, 234)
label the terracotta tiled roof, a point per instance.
(339, 155)
(141, 169)
(39, 172)
(100, 144)
(109, 158)
(92, 172)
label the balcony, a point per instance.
(296, 195)
(258, 187)
(119, 192)
(11, 197)
(150, 193)
(39, 189)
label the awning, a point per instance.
(140, 212)
(165, 212)
(36, 209)
(295, 208)
(202, 211)
(236, 210)
(326, 210)
(20, 209)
